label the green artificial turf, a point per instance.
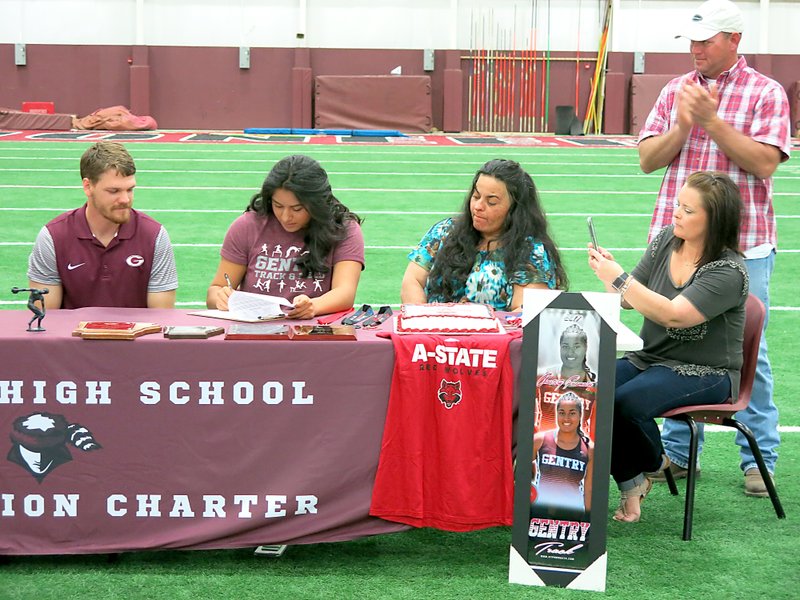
(739, 550)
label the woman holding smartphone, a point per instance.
(691, 286)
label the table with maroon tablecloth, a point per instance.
(113, 446)
(198, 443)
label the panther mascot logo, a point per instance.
(449, 393)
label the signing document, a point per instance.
(249, 308)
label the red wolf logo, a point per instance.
(449, 393)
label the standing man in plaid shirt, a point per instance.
(724, 116)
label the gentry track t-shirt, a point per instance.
(270, 253)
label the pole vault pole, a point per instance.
(601, 98)
(591, 107)
(506, 77)
(578, 64)
(487, 65)
(547, 95)
(524, 83)
(471, 80)
(482, 79)
(535, 28)
(513, 123)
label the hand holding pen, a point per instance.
(224, 293)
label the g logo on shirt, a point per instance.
(134, 260)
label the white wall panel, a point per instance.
(68, 21)
(561, 25)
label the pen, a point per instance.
(228, 281)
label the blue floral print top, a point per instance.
(487, 283)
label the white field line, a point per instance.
(360, 190)
(356, 210)
(160, 159)
(459, 151)
(528, 153)
(415, 174)
(526, 160)
(391, 248)
(217, 188)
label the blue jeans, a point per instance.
(639, 397)
(761, 415)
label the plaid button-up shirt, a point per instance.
(753, 104)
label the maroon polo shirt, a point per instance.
(95, 275)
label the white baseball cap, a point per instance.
(710, 18)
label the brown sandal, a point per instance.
(640, 491)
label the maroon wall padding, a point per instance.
(794, 107)
(302, 89)
(453, 114)
(453, 92)
(644, 93)
(302, 86)
(374, 102)
(77, 78)
(614, 105)
(140, 89)
(14, 119)
(204, 88)
(352, 62)
(140, 81)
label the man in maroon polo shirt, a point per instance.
(105, 253)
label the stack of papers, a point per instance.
(249, 308)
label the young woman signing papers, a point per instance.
(296, 241)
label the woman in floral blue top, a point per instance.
(498, 245)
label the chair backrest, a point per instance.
(753, 324)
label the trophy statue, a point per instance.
(36, 295)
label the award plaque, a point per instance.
(323, 332)
(192, 332)
(114, 330)
(257, 331)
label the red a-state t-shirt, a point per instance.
(446, 453)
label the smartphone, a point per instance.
(592, 233)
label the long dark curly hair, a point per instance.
(456, 256)
(306, 179)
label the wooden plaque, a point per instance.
(114, 330)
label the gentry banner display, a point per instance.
(113, 446)
(563, 442)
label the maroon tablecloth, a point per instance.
(197, 443)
